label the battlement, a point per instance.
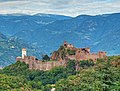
(65, 44)
(23, 49)
(102, 54)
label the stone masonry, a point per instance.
(60, 57)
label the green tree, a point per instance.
(71, 52)
(86, 63)
(46, 57)
(71, 67)
(98, 78)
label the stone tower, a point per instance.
(65, 43)
(24, 53)
(102, 54)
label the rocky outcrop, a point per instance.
(68, 51)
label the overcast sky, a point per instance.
(63, 7)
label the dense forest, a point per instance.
(104, 75)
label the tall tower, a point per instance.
(24, 53)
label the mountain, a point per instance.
(13, 23)
(10, 48)
(52, 16)
(44, 33)
(99, 32)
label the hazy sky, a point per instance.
(63, 7)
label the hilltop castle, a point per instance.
(73, 53)
(60, 57)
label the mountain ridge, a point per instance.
(100, 32)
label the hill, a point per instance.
(103, 75)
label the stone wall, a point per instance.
(45, 65)
(40, 65)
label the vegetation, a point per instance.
(12, 83)
(104, 76)
(63, 51)
(86, 63)
(107, 79)
(100, 76)
(34, 79)
(46, 58)
(71, 52)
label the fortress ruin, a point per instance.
(60, 57)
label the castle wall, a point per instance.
(39, 65)
(45, 65)
(59, 59)
(102, 54)
(93, 57)
(81, 55)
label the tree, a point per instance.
(86, 63)
(46, 57)
(71, 67)
(98, 78)
(71, 52)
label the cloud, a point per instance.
(65, 7)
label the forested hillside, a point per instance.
(102, 76)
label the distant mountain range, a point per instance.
(44, 33)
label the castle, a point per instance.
(74, 53)
(60, 57)
(36, 64)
